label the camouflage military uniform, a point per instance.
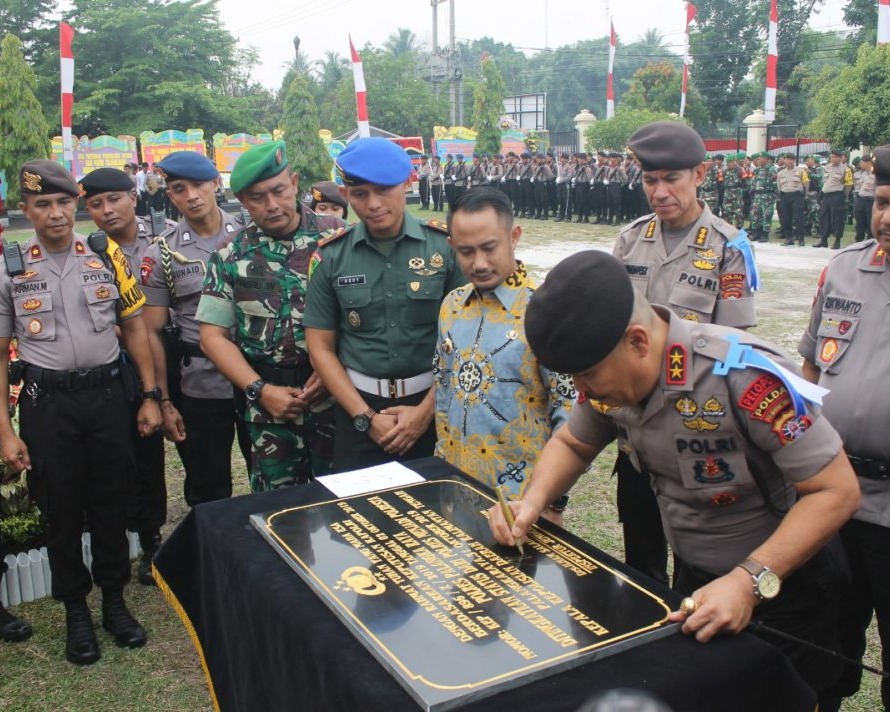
(257, 285)
(763, 202)
(733, 198)
(708, 190)
(811, 210)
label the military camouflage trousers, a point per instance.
(762, 206)
(734, 207)
(283, 454)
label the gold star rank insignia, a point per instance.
(676, 366)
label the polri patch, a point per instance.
(732, 285)
(765, 398)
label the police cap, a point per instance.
(837, 152)
(44, 177)
(374, 160)
(326, 191)
(564, 332)
(258, 163)
(668, 145)
(106, 180)
(187, 165)
(881, 161)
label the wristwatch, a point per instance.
(767, 583)
(154, 394)
(252, 392)
(362, 421)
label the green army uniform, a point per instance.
(383, 306)
(763, 202)
(814, 190)
(256, 285)
(708, 190)
(733, 198)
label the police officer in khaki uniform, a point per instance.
(837, 182)
(110, 199)
(792, 183)
(696, 264)
(864, 188)
(751, 480)
(845, 348)
(372, 309)
(61, 296)
(173, 272)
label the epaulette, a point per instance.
(724, 228)
(639, 221)
(437, 225)
(169, 231)
(329, 236)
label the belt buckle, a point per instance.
(79, 379)
(393, 388)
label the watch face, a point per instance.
(361, 423)
(769, 584)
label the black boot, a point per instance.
(837, 244)
(150, 542)
(118, 621)
(13, 629)
(81, 646)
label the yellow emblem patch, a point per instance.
(31, 181)
(686, 407)
(700, 424)
(437, 261)
(32, 304)
(35, 326)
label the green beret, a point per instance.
(44, 177)
(258, 163)
(564, 333)
(668, 145)
(881, 161)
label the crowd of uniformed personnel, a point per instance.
(311, 337)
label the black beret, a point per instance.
(881, 161)
(668, 145)
(525, 154)
(44, 177)
(106, 180)
(580, 313)
(866, 158)
(326, 191)
(719, 157)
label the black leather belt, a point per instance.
(295, 376)
(73, 380)
(870, 469)
(192, 349)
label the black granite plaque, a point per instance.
(416, 574)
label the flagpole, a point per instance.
(772, 60)
(610, 92)
(66, 69)
(690, 15)
(361, 93)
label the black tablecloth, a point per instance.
(267, 642)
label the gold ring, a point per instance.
(688, 606)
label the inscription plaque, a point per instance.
(416, 574)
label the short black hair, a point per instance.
(476, 200)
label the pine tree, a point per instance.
(488, 105)
(299, 122)
(24, 134)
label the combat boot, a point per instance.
(788, 242)
(81, 646)
(150, 542)
(118, 621)
(837, 244)
(13, 629)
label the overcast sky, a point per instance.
(270, 25)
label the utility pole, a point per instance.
(455, 72)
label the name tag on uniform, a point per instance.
(351, 280)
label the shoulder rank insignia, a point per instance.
(437, 225)
(877, 259)
(701, 237)
(330, 236)
(675, 366)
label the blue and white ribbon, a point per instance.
(743, 356)
(743, 245)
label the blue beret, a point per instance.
(374, 160)
(188, 165)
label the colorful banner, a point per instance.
(459, 139)
(157, 145)
(2, 185)
(100, 152)
(227, 148)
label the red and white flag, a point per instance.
(883, 21)
(772, 59)
(66, 62)
(687, 60)
(361, 93)
(610, 92)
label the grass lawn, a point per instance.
(166, 674)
